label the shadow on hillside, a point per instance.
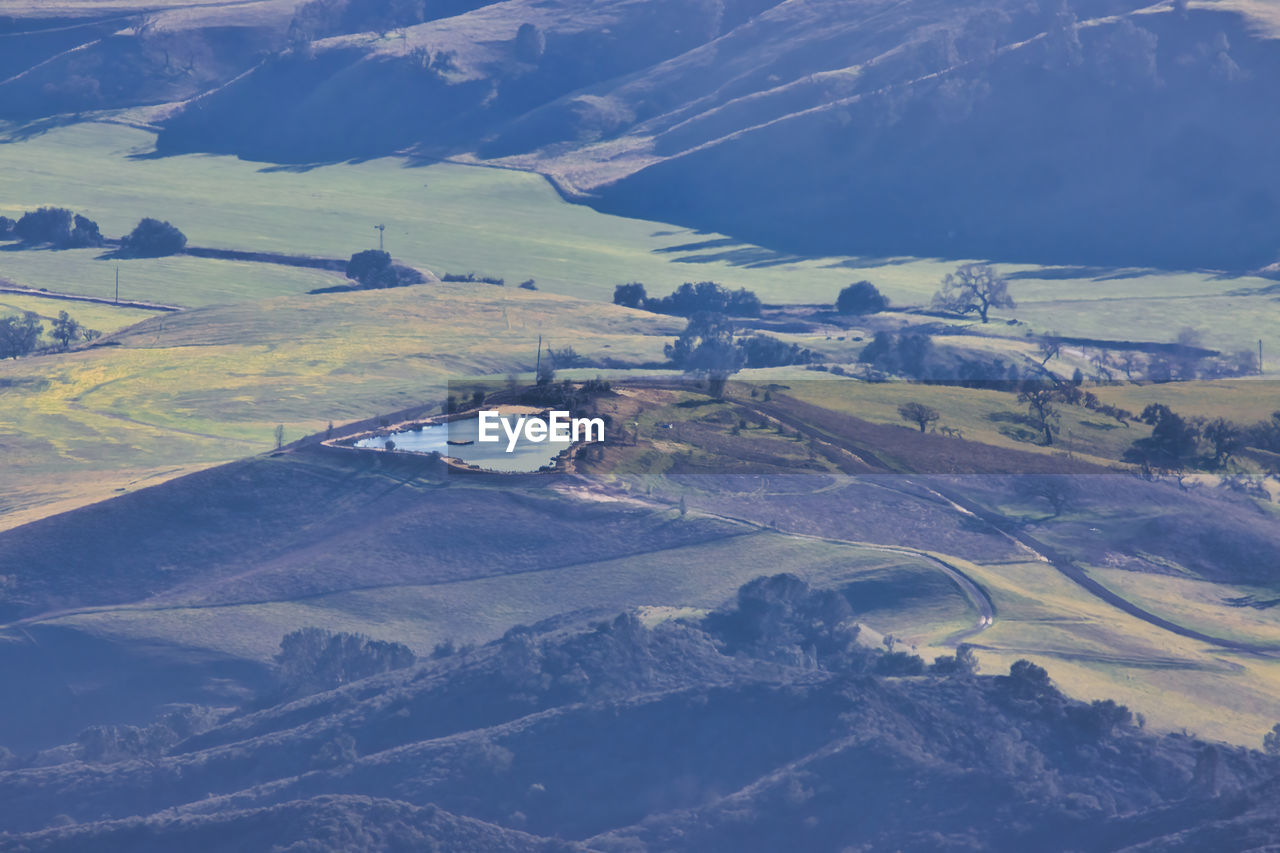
(750, 257)
(40, 127)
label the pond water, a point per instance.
(527, 456)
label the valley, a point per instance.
(935, 349)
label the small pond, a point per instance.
(527, 456)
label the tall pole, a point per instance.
(1259, 356)
(380, 228)
(537, 371)
(118, 293)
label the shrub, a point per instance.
(313, 659)
(563, 359)
(152, 238)
(472, 277)
(65, 329)
(54, 226)
(630, 295)
(781, 618)
(705, 296)
(531, 44)
(84, 233)
(372, 268)
(19, 335)
(45, 225)
(767, 351)
(909, 354)
(918, 414)
(899, 663)
(861, 298)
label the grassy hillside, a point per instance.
(443, 217)
(185, 390)
(103, 318)
(215, 568)
(509, 224)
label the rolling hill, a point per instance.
(1101, 132)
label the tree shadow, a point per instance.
(747, 257)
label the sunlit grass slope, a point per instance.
(210, 385)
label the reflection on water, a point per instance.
(527, 456)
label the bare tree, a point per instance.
(918, 414)
(1040, 399)
(1129, 362)
(1054, 489)
(973, 288)
(1049, 348)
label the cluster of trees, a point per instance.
(760, 350)
(322, 18)
(63, 229)
(20, 333)
(312, 659)
(707, 346)
(704, 297)
(1178, 441)
(373, 269)
(471, 277)
(110, 743)
(569, 396)
(66, 331)
(52, 226)
(1184, 360)
(781, 618)
(907, 353)
(1043, 396)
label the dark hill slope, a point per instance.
(625, 738)
(315, 522)
(1095, 132)
(1122, 141)
(1110, 133)
(317, 824)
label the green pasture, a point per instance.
(181, 280)
(1094, 651)
(458, 218)
(210, 385)
(444, 217)
(92, 315)
(1200, 605)
(1245, 400)
(702, 576)
(981, 415)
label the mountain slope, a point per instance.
(679, 737)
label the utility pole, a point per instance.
(380, 228)
(537, 371)
(118, 300)
(1259, 356)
